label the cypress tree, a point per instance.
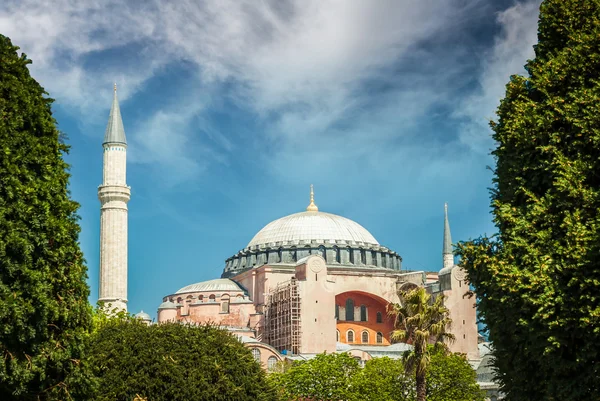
(538, 279)
(44, 312)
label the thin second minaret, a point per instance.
(114, 195)
(447, 255)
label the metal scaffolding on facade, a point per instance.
(282, 317)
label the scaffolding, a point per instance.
(281, 327)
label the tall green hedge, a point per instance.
(539, 279)
(44, 312)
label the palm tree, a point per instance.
(420, 321)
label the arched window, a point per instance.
(350, 255)
(365, 337)
(336, 250)
(379, 317)
(323, 253)
(350, 336)
(225, 304)
(337, 336)
(349, 310)
(256, 354)
(337, 312)
(271, 363)
(211, 298)
(200, 298)
(363, 313)
(379, 338)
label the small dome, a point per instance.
(220, 284)
(143, 316)
(167, 305)
(312, 225)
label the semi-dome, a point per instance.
(310, 226)
(220, 284)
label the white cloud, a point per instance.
(301, 65)
(512, 48)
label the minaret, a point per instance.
(447, 255)
(114, 195)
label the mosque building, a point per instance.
(307, 283)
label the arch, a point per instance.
(364, 337)
(363, 313)
(336, 251)
(407, 286)
(225, 303)
(379, 338)
(256, 354)
(350, 336)
(349, 310)
(323, 252)
(379, 317)
(271, 363)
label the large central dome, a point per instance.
(310, 226)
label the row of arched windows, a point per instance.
(277, 256)
(364, 336)
(349, 312)
(271, 362)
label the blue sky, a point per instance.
(233, 108)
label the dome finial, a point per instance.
(312, 207)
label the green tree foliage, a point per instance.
(325, 377)
(384, 379)
(44, 313)
(451, 378)
(338, 377)
(420, 322)
(539, 279)
(171, 362)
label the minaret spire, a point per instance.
(312, 207)
(115, 133)
(447, 255)
(114, 195)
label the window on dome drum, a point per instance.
(350, 336)
(271, 363)
(365, 337)
(211, 298)
(374, 258)
(379, 317)
(363, 257)
(323, 253)
(351, 255)
(349, 310)
(383, 261)
(379, 338)
(256, 354)
(337, 312)
(279, 255)
(294, 255)
(363, 313)
(336, 250)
